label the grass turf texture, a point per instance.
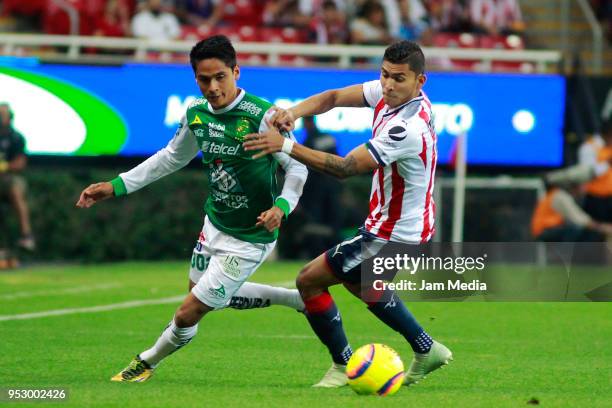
(505, 353)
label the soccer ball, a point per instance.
(375, 369)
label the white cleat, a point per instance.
(335, 377)
(423, 364)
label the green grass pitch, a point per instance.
(505, 353)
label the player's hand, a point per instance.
(95, 193)
(283, 119)
(270, 219)
(270, 141)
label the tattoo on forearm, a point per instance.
(340, 167)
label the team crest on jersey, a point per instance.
(397, 133)
(243, 127)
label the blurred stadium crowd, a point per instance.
(432, 22)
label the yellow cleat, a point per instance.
(137, 371)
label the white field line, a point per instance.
(55, 292)
(105, 308)
(93, 309)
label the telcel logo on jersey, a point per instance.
(220, 148)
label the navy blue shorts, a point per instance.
(345, 259)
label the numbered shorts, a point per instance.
(221, 264)
(345, 259)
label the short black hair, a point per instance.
(217, 46)
(406, 52)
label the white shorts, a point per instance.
(221, 264)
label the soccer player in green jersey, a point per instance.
(243, 209)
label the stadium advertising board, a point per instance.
(132, 110)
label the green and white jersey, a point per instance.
(240, 188)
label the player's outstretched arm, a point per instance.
(351, 96)
(358, 161)
(95, 193)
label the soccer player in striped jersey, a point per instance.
(402, 157)
(244, 208)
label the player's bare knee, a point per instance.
(187, 317)
(299, 283)
(190, 312)
(183, 318)
(308, 282)
(303, 282)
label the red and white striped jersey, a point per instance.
(403, 143)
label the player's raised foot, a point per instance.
(334, 377)
(137, 371)
(423, 364)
